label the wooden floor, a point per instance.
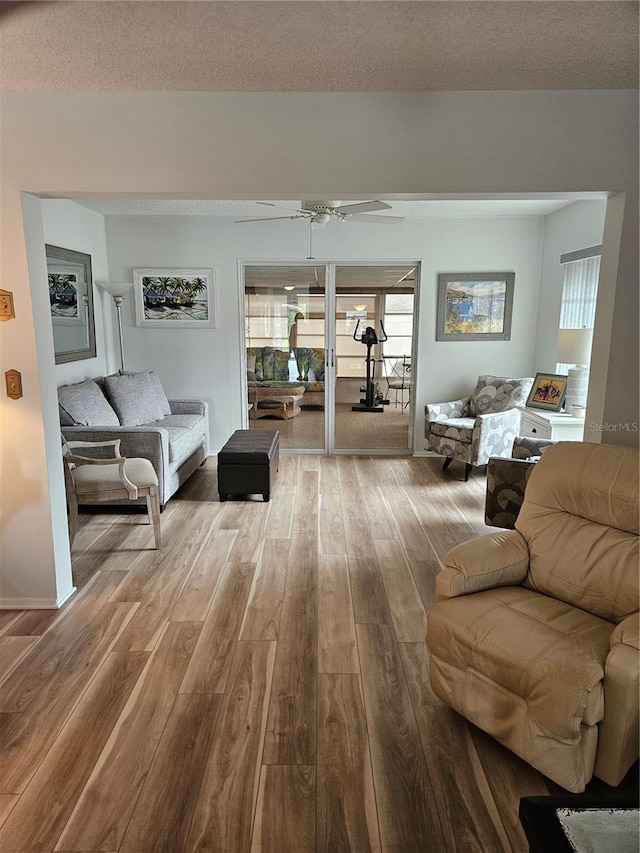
(260, 684)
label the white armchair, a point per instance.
(104, 475)
(481, 425)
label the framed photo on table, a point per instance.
(173, 298)
(475, 306)
(547, 392)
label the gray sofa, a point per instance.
(172, 434)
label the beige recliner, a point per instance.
(534, 634)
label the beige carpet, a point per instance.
(354, 430)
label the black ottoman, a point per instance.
(248, 462)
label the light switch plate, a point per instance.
(6, 305)
(13, 378)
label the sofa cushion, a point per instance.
(184, 432)
(251, 368)
(84, 404)
(498, 393)
(280, 365)
(134, 398)
(161, 397)
(543, 651)
(156, 385)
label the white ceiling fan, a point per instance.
(321, 212)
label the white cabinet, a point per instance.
(554, 426)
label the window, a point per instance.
(350, 354)
(581, 271)
(398, 323)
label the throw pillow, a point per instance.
(281, 365)
(134, 398)
(156, 385)
(316, 365)
(251, 369)
(84, 404)
(498, 394)
(161, 397)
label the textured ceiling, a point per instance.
(318, 45)
(234, 209)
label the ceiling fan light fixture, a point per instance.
(321, 218)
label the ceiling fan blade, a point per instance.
(270, 218)
(382, 220)
(363, 207)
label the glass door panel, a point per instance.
(381, 298)
(285, 352)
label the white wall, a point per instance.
(206, 362)
(300, 145)
(72, 226)
(577, 226)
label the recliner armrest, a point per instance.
(497, 559)
(618, 731)
(627, 632)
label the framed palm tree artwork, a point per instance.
(173, 298)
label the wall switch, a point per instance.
(6, 305)
(13, 378)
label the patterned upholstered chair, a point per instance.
(507, 479)
(481, 425)
(310, 361)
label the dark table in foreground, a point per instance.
(542, 827)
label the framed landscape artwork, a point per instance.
(548, 392)
(475, 306)
(172, 298)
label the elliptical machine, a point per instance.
(373, 400)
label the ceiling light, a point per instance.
(321, 218)
(360, 307)
(289, 287)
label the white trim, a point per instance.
(36, 603)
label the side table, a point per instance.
(554, 426)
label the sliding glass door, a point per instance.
(329, 355)
(374, 309)
(286, 352)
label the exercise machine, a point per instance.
(373, 400)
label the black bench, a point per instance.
(248, 462)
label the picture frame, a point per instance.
(548, 392)
(475, 306)
(70, 283)
(174, 298)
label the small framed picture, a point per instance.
(548, 392)
(172, 298)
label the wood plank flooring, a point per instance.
(260, 685)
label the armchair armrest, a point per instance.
(497, 559)
(442, 411)
(494, 434)
(618, 731)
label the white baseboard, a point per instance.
(36, 603)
